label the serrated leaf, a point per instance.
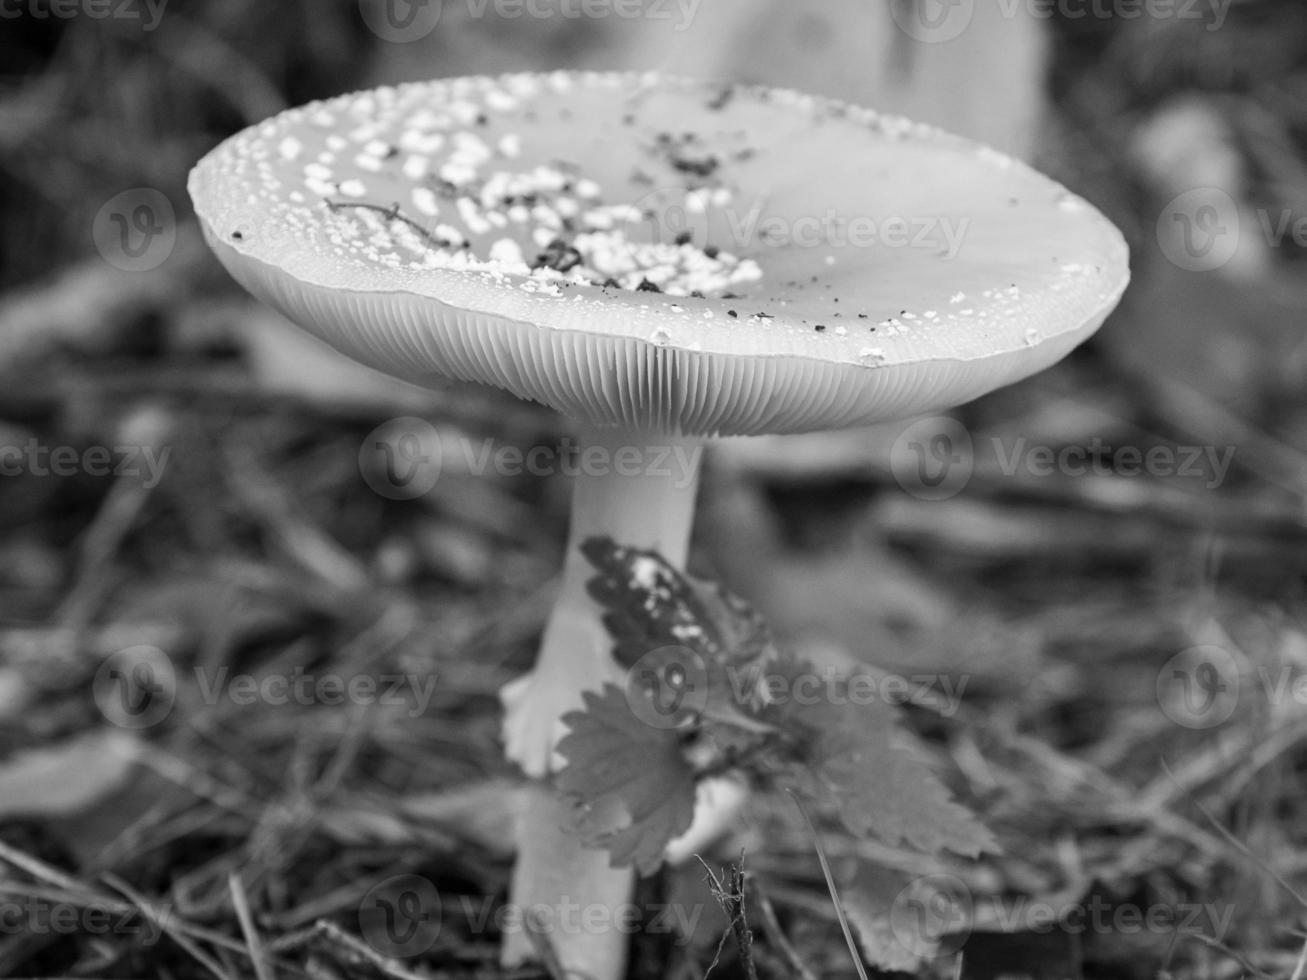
(648, 604)
(654, 610)
(833, 749)
(634, 788)
(850, 753)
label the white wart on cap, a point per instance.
(660, 254)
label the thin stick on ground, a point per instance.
(830, 885)
(717, 889)
(1233, 954)
(71, 891)
(357, 948)
(1301, 965)
(161, 919)
(240, 902)
(39, 869)
(730, 896)
(778, 937)
(1243, 849)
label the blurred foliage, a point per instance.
(90, 107)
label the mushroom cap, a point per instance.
(659, 253)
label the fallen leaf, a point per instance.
(852, 755)
(68, 777)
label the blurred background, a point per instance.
(181, 499)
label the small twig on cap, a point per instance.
(391, 213)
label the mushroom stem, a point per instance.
(566, 891)
(639, 489)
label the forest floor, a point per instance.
(1115, 650)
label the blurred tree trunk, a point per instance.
(987, 82)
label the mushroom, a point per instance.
(663, 261)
